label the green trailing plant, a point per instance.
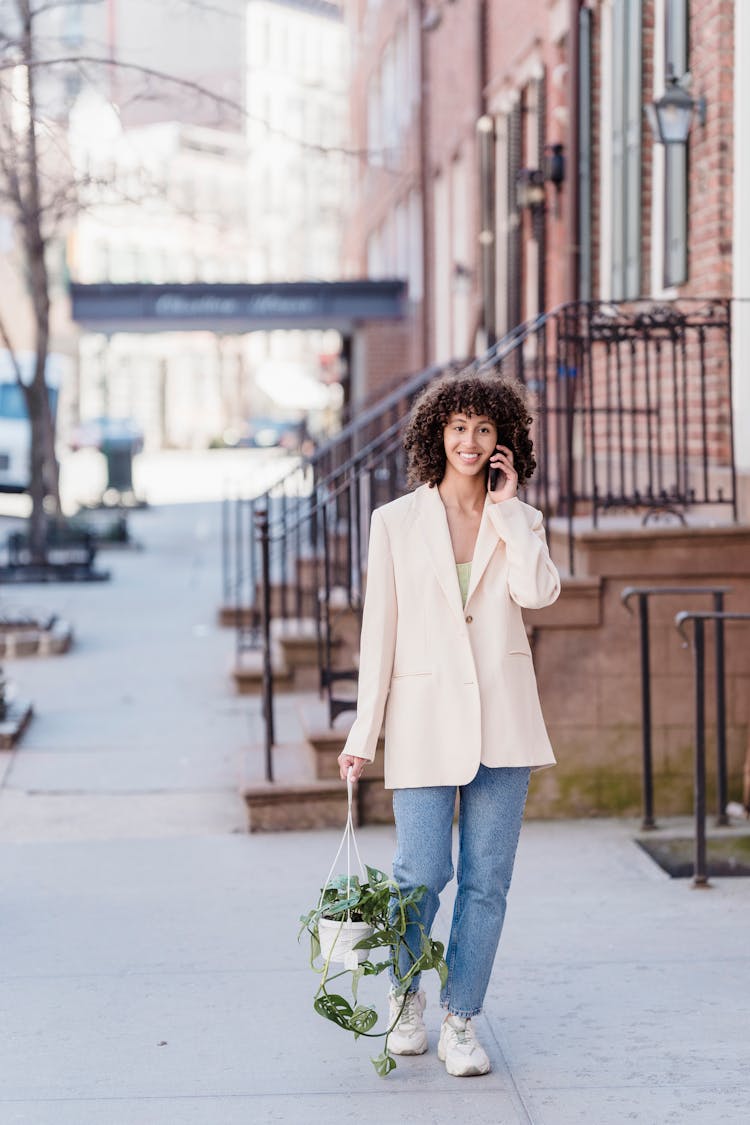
(380, 903)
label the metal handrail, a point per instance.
(643, 593)
(700, 873)
(586, 365)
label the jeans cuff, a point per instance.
(462, 1013)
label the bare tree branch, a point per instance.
(212, 8)
(5, 337)
(203, 91)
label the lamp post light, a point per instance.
(671, 115)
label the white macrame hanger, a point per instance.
(349, 838)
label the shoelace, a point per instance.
(464, 1035)
(408, 1016)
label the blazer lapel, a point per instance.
(434, 527)
(487, 540)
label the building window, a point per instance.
(401, 225)
(374, 132)
(389, 102)
(626, 149)
(442, 270)
(675, 156)
(585, 284)
(415, 246)
(375, 256)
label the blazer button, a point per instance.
(469, 619)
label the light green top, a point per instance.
(463, 570)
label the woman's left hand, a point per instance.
(507, 482)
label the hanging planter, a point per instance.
(355, 917)
(338, 938)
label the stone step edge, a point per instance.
(323, 802)
(327, 744)
(33, 641)
(249, 681)
(17, 718)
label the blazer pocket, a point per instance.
(408, 675)
(517, 643)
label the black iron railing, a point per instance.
(700, 868)
(632, 412)
(285, 502)
(643, 594)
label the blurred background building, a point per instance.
(200, 144)
(297, 89)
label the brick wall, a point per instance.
(380, 181)
(711, 150)
(523, 42)
(587, 663)
(388, 354)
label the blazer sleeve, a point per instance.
(533, 579)
(377, 644)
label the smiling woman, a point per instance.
(445, 661)
(497, 400)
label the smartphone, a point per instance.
(497, 474)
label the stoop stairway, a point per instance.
(636, 489)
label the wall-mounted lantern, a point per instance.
(530, 191)
(554, 165)
(671, 115)
(463, 278)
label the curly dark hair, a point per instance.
(498, 396)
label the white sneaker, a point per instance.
(460, 1049)
(409, 1036)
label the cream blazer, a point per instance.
(455, 683)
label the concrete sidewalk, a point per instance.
(149, 968)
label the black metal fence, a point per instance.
(632, 409)
(699, 619)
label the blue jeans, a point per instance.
(490, 815)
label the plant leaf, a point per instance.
(442, 969)
(334, 1008)
(314, 947)
(384, 1063)
(357, 975)
(362, 1020)
(374, 968)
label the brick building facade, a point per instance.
(645, 234)
(619, 217)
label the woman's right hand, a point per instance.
(347, 762)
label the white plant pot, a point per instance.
(338, 938)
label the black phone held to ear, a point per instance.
(494, 478)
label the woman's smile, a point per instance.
(469, 441)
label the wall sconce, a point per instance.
(463, 277)
(530, 191)
(432, 18)
(554, 165)
(671, 115)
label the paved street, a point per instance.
(149, 968)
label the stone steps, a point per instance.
(318, 802)
(17, 717)
(35, 639)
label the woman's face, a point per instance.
(470, 441)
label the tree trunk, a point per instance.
(44, 468)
